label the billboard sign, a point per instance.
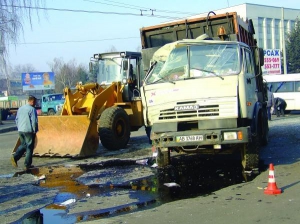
(272, 62)
(38, 81)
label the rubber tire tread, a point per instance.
(51, 112)
(264, 139)
(251, 154)
(162, 159)
(107, 126)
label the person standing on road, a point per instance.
(270, 102)
(27, 124)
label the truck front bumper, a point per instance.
(201, 137)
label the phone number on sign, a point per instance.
(271, 60)
(268, 66)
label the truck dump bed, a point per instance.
(228, 26)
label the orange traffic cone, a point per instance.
(272, 187)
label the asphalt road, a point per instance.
(229, 200)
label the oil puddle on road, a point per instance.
(91, 193)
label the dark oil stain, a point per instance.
(193, 176)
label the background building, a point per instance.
(267, 21)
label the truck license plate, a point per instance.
(191, 138)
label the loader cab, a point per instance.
(124, 67)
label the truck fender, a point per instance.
(254, 124)
(144, 104)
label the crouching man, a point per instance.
(279, 106)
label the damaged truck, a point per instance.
(204, 91)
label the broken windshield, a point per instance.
(205, 61)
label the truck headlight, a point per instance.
(233, 135)
(230, 136)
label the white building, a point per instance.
(267, 21)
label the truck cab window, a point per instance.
(248, 63)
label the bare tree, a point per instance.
(13, 13)
(112, 49)
(16, 71)
(67, 74)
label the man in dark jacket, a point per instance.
(27, 123)
(279, 106)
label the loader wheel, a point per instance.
(250, 154)
(114, 128)
(51, 112)
(163, 157)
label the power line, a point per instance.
(76, 41)
(134, 7)
(88, 11)
(83, 41)
(124, 5)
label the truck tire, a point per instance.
(264, 133)
(114, 128)
(148, 132)
(51, 112)
(163, 157)
(250, 154)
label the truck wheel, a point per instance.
(148, 132)
(163, 157)
(114, 128)
(250, 153)
(264, 133)
(51, 112)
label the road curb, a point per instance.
(8, 129)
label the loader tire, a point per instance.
(114, 128)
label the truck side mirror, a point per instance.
(261, 56)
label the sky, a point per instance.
(101, 26)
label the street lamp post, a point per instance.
(283, 42)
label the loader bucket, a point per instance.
(66, 136)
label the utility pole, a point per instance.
(283, 42)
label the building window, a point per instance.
(269, 26)
(277, 29)
(293, 25)
(277, 44)
(286, 26)
(269, 43)
(260, 25)
(297, 86)
(261, 42)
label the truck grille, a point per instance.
(202, 111)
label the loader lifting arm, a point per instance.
(74, 133)
(90, 98)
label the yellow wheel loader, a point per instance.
(107, 110)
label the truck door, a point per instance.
(44, 104)
(250, 81)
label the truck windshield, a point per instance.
(110, 70)
(197, 61)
